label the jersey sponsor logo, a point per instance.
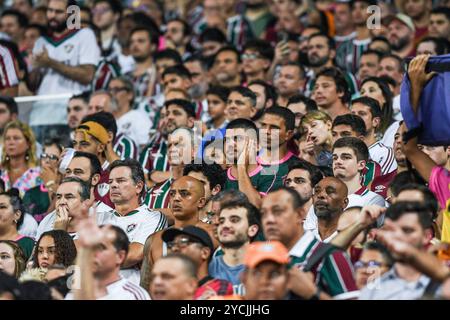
(380, 187)
(103, 189)
(68, 48)
(131, 227)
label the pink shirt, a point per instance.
(440, 184)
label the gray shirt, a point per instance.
(391, 287)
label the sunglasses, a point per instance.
(51, 157)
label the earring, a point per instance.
(7, 158)
(27, 157)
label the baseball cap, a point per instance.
(94, 129)
(192, 231)
(258, 252)
(403, 18)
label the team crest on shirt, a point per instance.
(127, 125)
(103, 189)
(131, 227)
(68, 48)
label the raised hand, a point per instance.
(90, 235)
(370, 214)
(63, 219)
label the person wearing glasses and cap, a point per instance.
(196, 243)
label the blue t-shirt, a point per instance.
(218, 269)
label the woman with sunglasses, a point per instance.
(37, 200)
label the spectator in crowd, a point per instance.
(13, 23)
(439, 25)
(433, 46)
(77, 108)
(403, 281)
(217, 98)
(369, 64)
(241, 104)
(19, 160)
(195, 243)
(13, 218)
(401, 35)
(303, 177)
(105, 15)
(102, 252)
(178, 36)
(13, 259)
(57, 71)
(54, 247)
(266, 97)
(257, 56)
(331, 92)
(277, 128)
(127, 187)
(300, 106)
(38, 199)
(130, 122)
(316, 127)
(419, 13)
(227, 67)
(174, 277)
(238, 225)
(282, 221)
(289, 81)
(200, 78)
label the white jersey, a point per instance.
(384, 156)
(102, 212)
(8, 72)
(121, 290)
(389, 134)
(136, 125)
(139, 223)
(75, 48)
(370, 197)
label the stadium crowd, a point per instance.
(223, 150)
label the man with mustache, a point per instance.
(187, 198)
(65, 62)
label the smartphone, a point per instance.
(68, 156)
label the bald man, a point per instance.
(187, 198)
(281, 217)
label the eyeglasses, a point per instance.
(118, 89)
(369, 264)
(51, 157)
(250, 56)
(181, 243)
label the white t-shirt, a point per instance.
(384, 156)
(136, 125)
(122, 289)
(29, 226)
(78, 47)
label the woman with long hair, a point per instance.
(19, 163)
(11, 218)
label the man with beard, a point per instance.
(277, 128)
(369, 64)
(381, 184)
(105, 16)
(143, 43)
(65, 62)
(303, 177)
(200, 84)
(345, 28)
(102, 251)
(178, 37)
(321, 55)
(266, 97)
(289, 81)
(401, 32)
(179, 113)
(227, 67)
(238, 225)
(282, 221)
